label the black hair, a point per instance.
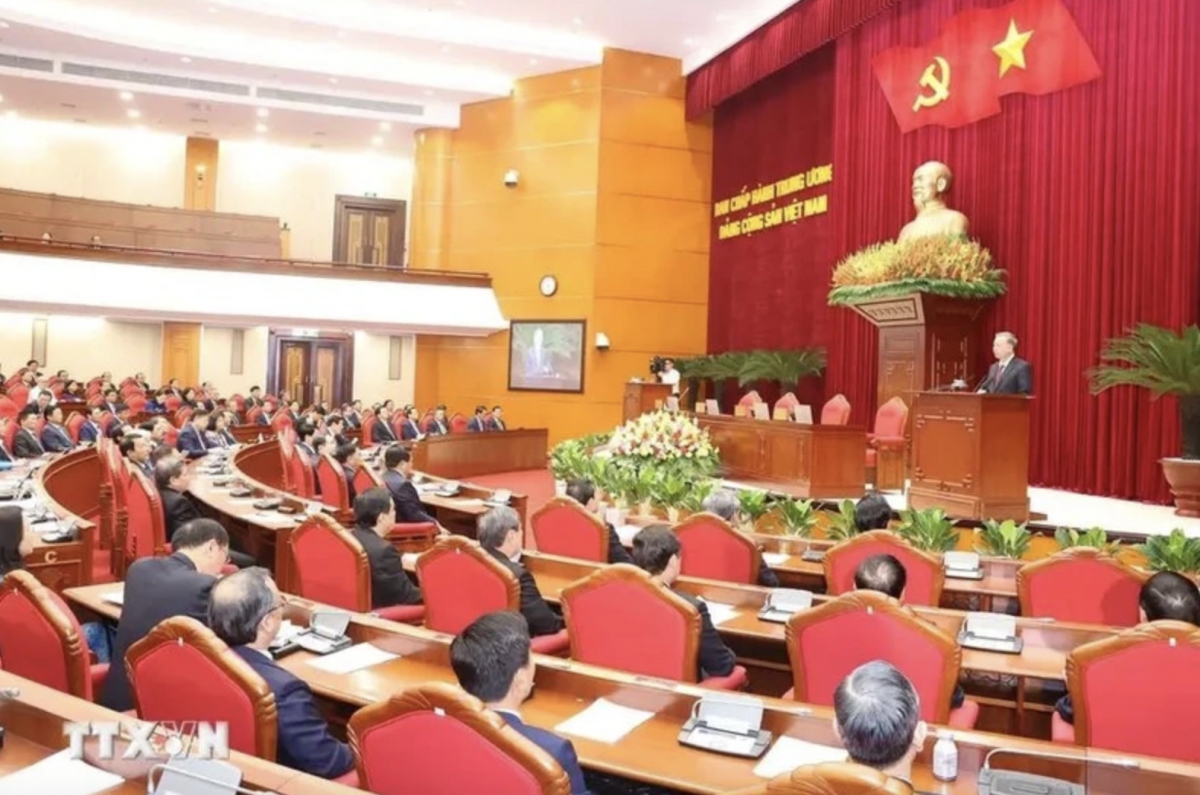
(882, 573)
(487, 655)
(653, 548)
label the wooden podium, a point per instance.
(641, 397)
(970, 455)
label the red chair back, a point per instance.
(181, 671)
(750, 400)
(365, 478)
(564, 527)
(461, 582)
(183, 416)
(74, 424)
(1136, 692)
(415, 743)
(891, 419)
(8, 408)
(829, 641)
(620, 618)
(253, 414)
(458, 424)
(788, 402)
(925, 574)
(832, 778)
(712, 550)
(145, 531)
(40, 638)
(300, 475)
(19, 394)
(331, 566)
(172, 402)
(10, 436)
(334, 491)
(836, 411)
(136, 404)
(1082, 585)
(368, 428)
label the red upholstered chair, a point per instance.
(461, 582)
(749, 400)
(300, 476)
(332, 568)
(885, 446)
(183, 416)
(136, 404)
(926, 575)
(236, 402)
(106, 420)
(280, 421)
(406, 537)
(1136, 692)
(74, 424)
(146, 529)
(458, 423)
(836, 411)
(368, 428)
(831, 778)
(425, 422)
(564, 527)
(620, 618)
(19, 394)
(40, 638)
(334, 491)
(253, 414)
(181, 672)
(789, 402)
(415, 744)
(829, 641)
(713, 550)
(366, 478)
(10, 435)
(8, 408)
(1083, 585)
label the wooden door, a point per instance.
(181, 353)
(369, 231)
(311, 370)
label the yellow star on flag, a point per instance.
(1012, 50)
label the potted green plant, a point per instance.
(1166, 363)
(753, 505)
(721, 368)
(930, 530)
(798, 517)
(567, 462)
(1005, 539)
(842, 525)
(698, 492)
(785, 368)
(1175, 552)
(640, 487)
(1095, 537)
(667, 494)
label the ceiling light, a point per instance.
(263, 113)
(377, 140)
(126, 96)
(133, 113)
(1, 97)
(386, 126)
(185, 59)
(260, 128)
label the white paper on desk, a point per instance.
(788, 753)
(626, 534)
(272, 518)
(61, 775)
(355, 658)
(604, 721)
(114, 598)
(775, 558)
(720, 612)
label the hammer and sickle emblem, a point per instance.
(937, 78)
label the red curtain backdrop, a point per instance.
(1090, 198)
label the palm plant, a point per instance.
(1005, 539)
(1175, 552)
(668, 490)
(842, 524)
(930, 530)
(698, 492)
(753, 504)
(640, 485)
(723, 367)
(798, 516)
(785, 368)
(1095, 537)
(694, 370)
(1162, 361)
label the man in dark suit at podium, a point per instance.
(1009, 375)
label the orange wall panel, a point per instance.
(626, 220)
(648, 273)
(661, 172)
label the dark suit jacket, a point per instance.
(155, 589)
(189, 442)
(542, 620)
(4, 455)
(1017, 378)
(409, 509)
(351, 492)
(26, 445)
(178, 510)
(477, 425)
(437, 429)
(56, 439)
(390, 585)
(89, 432)
(409, 430)
(616, 550)
(558, 747)
(716, 659)
(304, 740)
(262, 419)
(382, 433)
(766, 577)
(352, 419)
(495, 424)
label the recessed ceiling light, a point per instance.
(263, 113)
(185, 59)
(260, 128)
(126, 96)
(134, 113)
(377, 140)
(386, 126)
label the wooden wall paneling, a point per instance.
(200, 174)
(181, 353)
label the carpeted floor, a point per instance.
(537, 484)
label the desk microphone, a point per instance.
(998, 782)
(982, 381)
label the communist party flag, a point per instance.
(1027, 46)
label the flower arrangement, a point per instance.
(668, 442)
(940, 265)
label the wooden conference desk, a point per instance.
(465, 455)
(33, 730)
(813, 461)
(651, 753)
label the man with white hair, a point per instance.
(42, 388)
(725, 504)
(1010, 375)
(877, 716)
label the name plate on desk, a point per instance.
(990, 632)
(962, 566)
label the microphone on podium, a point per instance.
(1003, 782)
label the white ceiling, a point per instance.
(432, 55)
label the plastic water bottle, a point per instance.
(945, 757)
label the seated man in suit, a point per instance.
(381, 431)
(216, 433)
(111, 399)
(304, 438)
(335, 426)
(26, 443)
(410, 431)
(584, 493)
(55, 437)
(725, 504)
(373, 520)
(135, 447)
(492, 661)
(872, 512)
(397, 476)
(656, 550)
(254, 397)
(157, 588)
(440, 425)
(156, 429)
(6, 455)
(1010, 375)
(877, 716)
(191, 441)
(496, 423)
(172, 476)
(500, 536)
(348, 458)
(478, 424)
(245, 610)
(1167, 596)
(91, 431)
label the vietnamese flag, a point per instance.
(1027, 46)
